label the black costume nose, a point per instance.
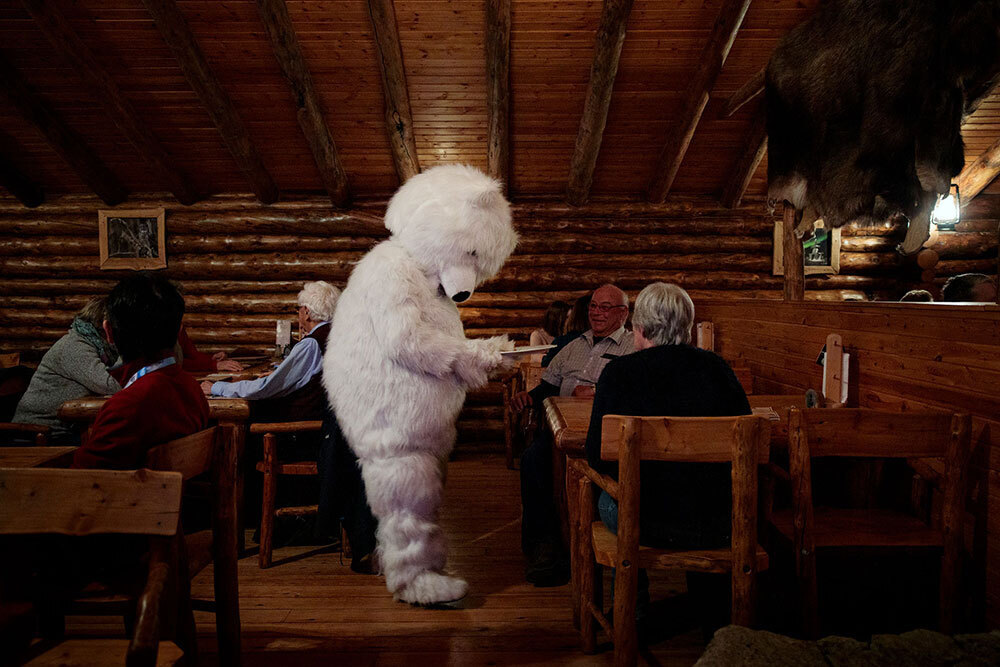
(460, 297)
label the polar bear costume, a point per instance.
(399, 364)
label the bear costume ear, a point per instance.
(487, 199)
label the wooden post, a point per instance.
(792, 249)
(607, 50)
(750, 434)
(800, 467)
(398, 119)
(627, 572)
(226, 545)
(498, 90)
(952, 513)
(309, 111)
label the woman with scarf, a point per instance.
(75, 366)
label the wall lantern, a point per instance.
(946, 213)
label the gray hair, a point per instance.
(664, 312)
(95, 312)
(320, 299)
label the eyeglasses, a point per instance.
(604, 307)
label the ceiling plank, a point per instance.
(63, 139)
(64, 40)
(178, 36)
(713, 56)
(746, 166)
(13, 179)
(398, 119)
(498, 90)
(976, 176)
(607, 51)
(274, 15)
(746, 92)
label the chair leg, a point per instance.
(744, 598)
(267, 504)
(187, 633)
(805, 566)
(626, 636)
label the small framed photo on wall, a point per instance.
(820, 252)
(132, 239)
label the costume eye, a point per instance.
(472, 253)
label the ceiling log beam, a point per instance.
(14, 180)
(978, 175)
(607, 51)
(498, 90)
(64, 140)
(64, 40)
(746, 92)
(398, 118)
(309, 112)
(754, 150)
(179, 38)
(713, 56)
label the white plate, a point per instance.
(528, 349)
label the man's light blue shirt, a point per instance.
(302, 363)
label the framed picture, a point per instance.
(132, 239)
(820, 253)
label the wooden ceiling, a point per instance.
(442, 43)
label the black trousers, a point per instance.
(539, 516)
(342, 495)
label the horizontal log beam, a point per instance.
(976, 176)
(498, 90)
(712, 58)
(61, 137)
(398, 118)
(748, 91)
(64, 40)
(309, 111)
(607, 50)
(177, 34)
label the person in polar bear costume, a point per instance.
(399, 364)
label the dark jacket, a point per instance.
(305, 403)
(676, 381)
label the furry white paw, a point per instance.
(433, 588)
(469, 370)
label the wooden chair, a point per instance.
(272, 468)
(38, 433)
(82, 503)
(629, 440)
(854, 432)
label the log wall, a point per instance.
(904, 357)
(241, 263)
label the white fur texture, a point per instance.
(399, 364)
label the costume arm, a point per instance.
(299, 366)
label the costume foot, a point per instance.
(433, 588)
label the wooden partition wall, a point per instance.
(904, 357)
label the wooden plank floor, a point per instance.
(310, 609)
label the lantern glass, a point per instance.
(947, 212)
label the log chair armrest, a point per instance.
(605, 482)
(286, 427)
(145, 642)
(41, 431)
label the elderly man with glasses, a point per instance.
(573, 372)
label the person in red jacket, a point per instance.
(159, 402)
(200, 362)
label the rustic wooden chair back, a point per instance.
(273, 467)
(705, 336)
(858, 432)
(10, 359)
(140, 502)
(531, 374)
(743, 441)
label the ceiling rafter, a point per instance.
(274, 15)
(13, 179)
(748, 91)
(177, 34)
(754, 149)
(607, 51)
(498, 18)
(64, 40)
(979, 174)
(713, 56)
(61, 137)
(398, 118)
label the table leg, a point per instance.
(225, 543)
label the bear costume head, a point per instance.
(454, 221)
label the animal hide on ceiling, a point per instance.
(865, 103)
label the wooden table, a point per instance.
(231, 414)
(36, 457)
(251, 372)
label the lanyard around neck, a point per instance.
(162, 363)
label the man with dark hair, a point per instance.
(160, 402)
(970, 287)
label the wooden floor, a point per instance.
(310, 609)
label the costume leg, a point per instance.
(404, 492)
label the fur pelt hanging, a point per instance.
(865, 103)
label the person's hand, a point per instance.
(520, 400)
(583, 391)
(229, 365)
(219, 356)
(206, 387)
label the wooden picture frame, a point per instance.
(825, 258)
(134, 239)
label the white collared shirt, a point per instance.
(581, 361)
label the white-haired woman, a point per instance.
(684, 505)
(293, 391)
